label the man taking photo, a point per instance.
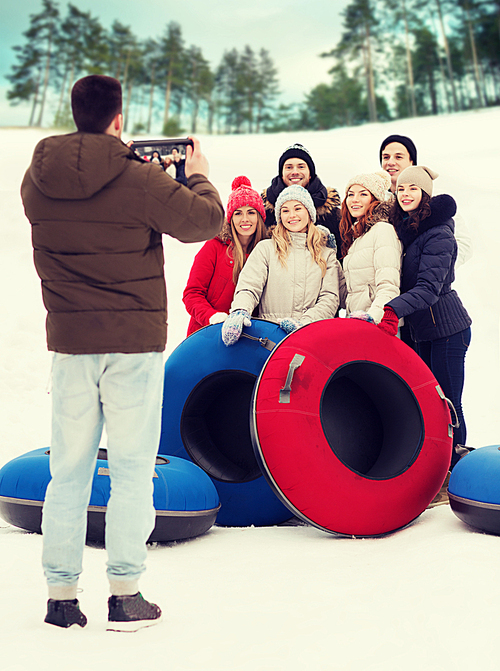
(98, 213)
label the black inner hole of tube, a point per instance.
(215, 426)
(371, 420)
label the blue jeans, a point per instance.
(123, 391)
(446, 359)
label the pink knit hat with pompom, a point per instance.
(242, 194)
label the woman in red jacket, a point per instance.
(216, 267)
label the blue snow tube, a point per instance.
(185, 499)
(474, 489)
(206, 418)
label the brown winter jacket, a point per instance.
(98, 213)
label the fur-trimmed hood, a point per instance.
(381, 212)
(443, 209)
(225, 235)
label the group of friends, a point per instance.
(294, 255)
(174, 164)
(386, 254)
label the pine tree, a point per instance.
(31, 75)
(470, 12)
(427, 67)
(199, 82)
(231, 96)
(400, 13)
(76, 48)
(441, 8)
(356, 45)
(267, 88)
(171, 55)
(25, 78)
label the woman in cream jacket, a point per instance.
(370, 248)
(294, 277)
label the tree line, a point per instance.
(165, 83)
(406, 58)
(395, 58)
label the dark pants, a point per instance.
(405, 336)
(446, 359)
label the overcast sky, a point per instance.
(294, 32)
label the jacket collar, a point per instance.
(443, 208)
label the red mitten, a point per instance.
(389, 322)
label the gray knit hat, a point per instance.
(295, 192)
(420, 175)
(377, 183)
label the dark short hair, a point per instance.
(95, 101)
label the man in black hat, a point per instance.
(296, 166)
(398, 152)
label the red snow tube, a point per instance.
(351, 428)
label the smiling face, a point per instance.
(357, 200)
(245, 222)
(295, 216)
(395, 158)
(296, 171)
(409, 197)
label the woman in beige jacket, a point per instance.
(370, 249)
(294, 277)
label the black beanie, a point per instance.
(405, 141)
(297, 151)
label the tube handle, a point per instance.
(265, 342)
(456, 424)
(295, 363)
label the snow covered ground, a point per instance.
(278, 598)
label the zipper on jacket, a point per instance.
(432, 315)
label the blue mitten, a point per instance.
(289, 325)
(233, 326)
(360, 314)
(330, 238)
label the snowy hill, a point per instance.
(288, 598)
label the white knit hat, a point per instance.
(377, 183)
(295, 192)
(420, 175)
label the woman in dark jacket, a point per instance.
(438, 321)
(216, 268)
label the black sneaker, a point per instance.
(131, 613)
(64, 613)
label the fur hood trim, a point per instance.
(443, 209)
(332, 202)
(225, 235)
(382, 212)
